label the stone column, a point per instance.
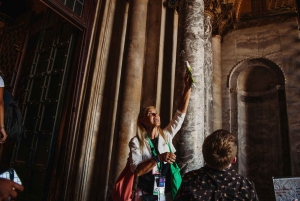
(191, 49)
(88, 157)
(208, 74)
(152, 69)
(111, 125)
(217, 83)
(175, 35)
(132, 80)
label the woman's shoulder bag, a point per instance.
(176, 178)
(123, 187)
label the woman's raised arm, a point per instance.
(182, 107)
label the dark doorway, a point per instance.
(40, 89)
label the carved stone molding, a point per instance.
(223, 16)
(232, 16)
(259, 61)
(288, 17)
(264, 12)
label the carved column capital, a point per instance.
(223, 16)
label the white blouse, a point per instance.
(136, 156)
(1, 82)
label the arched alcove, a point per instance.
(258, 118)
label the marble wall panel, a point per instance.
(262, 44)
(289, 36)
(280, 43)
(292, 71)
(264, 41)
(259, 140)
(269, 45)
(246, 46)
(230, 53)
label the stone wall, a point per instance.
(280, 44)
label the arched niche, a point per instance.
(259, 120)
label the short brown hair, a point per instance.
(219, 149)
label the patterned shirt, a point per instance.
(210, 184)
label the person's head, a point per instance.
(219, 149)
(149, 117)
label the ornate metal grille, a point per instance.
(12, 42)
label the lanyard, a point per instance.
(169, 147)
(153, 152)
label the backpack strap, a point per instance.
(7, 98)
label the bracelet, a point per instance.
(152, 161)
(1, 127)
(157, 159)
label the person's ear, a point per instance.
(234, 160)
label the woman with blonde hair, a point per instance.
(150, 156)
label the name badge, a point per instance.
(159, 187)
(161, 181)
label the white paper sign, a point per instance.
(287, 189)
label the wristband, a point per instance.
(156, 159)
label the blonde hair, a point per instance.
(141, 129)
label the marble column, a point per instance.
(191, 49)
(217, 83)
(208, 74)
(132, 80)
(152, 66)
(175, 35)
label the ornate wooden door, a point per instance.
(43, 103)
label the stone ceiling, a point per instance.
(249, 9)
(237, 14)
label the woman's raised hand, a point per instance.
(187, 81)
(167, 157)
